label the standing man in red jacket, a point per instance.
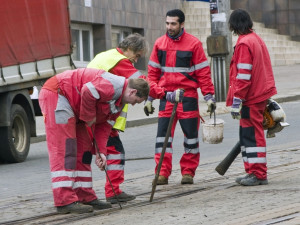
(178, 62)
(251, 85)
(119, 61)
(70, 102)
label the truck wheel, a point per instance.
(15, 139)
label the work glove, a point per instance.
(148, 108)
(236, 108)
(175, 96)
(211, 103)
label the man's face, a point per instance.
(173, 26)
(133, 57)
(131, 98)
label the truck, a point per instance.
(35, 44)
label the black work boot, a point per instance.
(123, 197)
(97, 204)
(75, 207)
(239, 179)
(252, 180)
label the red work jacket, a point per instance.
(179, 63)
(251, 75)
(94, 93)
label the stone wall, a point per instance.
(284, 15)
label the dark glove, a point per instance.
(175, 96)
(236, 108)
(211, 103)
(148, 108)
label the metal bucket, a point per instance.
(212, 132)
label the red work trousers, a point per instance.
(252, 139)
(187, 114)
(69, 149)
(115, 164)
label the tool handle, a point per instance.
(163, 150)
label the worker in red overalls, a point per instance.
(178, 63)
(119, 61)
(70, 102)
(251, 85)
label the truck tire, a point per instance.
(15, 139)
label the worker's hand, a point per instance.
(101, 161)
(236, 108)
(90, 123)
(211, 103)
(175, 96)
(148, 108)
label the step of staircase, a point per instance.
(282, 50)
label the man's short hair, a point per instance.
(141, 85)
(240, 22)
(178, 13)
(135, 42)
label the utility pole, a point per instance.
(219, 46)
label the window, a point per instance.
(82, 43)
(118, 34)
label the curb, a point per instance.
(152, 120)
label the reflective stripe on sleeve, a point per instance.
(116, 81)
(154, 64)
(244, 66)
(93, 90)
(243, 76)
(136, 75)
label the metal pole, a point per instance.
(220, 12)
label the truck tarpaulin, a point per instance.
(28, 38)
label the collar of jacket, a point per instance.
(178, 37)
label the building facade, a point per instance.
(98, 25)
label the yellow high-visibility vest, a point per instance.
(106, 61)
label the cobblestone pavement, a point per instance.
(213, 199)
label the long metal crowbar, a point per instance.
(98, 152)
(163, 150)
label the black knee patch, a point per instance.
(247, 135)
(116, 142)
(189, 127)
(245, 112)
(87, 157)
(71, 153)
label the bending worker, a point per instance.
(178, 62)
(119, 61)
(70, 102)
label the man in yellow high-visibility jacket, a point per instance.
(119, 61)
